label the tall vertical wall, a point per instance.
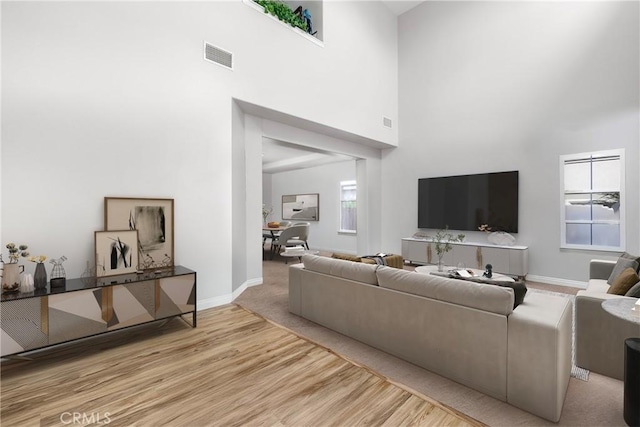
(115, 99)
(495, 86)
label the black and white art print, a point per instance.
(116, 252)
(153, 219)
(301, 207)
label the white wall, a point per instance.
(325, 180)
(266, 189)
(493, 86)
(114, 99)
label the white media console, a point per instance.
(511, 260)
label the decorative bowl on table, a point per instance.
(273, 224)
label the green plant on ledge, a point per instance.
(283, 12)
(443, 240)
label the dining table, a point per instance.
(274, 230)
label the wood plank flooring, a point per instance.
(234, 369)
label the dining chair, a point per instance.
(303, 237)
(288, 237)
(270, 234)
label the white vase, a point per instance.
(11, 277)
(26, 284)
(501, 238)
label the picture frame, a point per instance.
(116, 252)
(153, 219)
(301, 207)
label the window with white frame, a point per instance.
(348, 208)
(592, 200)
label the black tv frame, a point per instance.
(465, 202)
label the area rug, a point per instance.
(576, 371)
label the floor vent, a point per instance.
(386, 121)
(218, 56)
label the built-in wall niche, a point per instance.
(309, 10)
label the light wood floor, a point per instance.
(235, 368)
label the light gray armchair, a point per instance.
(270, 235)
(600, 335)
(303, 237)
(289, 237)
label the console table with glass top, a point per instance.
(92, 306)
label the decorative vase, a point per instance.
(501, 238)
(40, 276)
(11, 277)
(440, 265)
(26, 284)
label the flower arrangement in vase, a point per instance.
(265, 213)
(11, 270)
(443, 240)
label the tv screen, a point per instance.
(466, 202)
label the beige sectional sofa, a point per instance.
(600, 335)
(465, 331)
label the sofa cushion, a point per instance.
(357, 271)
(634, 291)
(519, 287)
(635, 258)
(484, 297)
(624, 282)
(621, 265)
(597, 286)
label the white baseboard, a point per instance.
(204, 304)
(556, 281)
(228, 298)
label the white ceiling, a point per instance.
(399, 7)
(279, 156)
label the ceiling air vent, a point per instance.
(218, 56)
(386, 121)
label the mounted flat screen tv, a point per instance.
(466, 202)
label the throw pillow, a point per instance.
(346, 257)
(634, 291)
(621, 265)
(635, 258)
(624, 282)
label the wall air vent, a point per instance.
(386, 121)
(218, 56)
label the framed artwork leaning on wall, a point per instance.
(116, 252)
(153, 220)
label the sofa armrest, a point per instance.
(600, 335)
(600, 269)
(539, 354)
